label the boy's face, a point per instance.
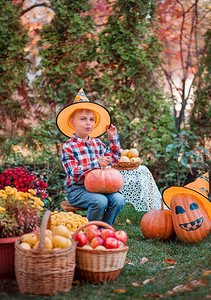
(83, 122)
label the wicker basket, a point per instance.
(42, 271)
(132, 165)
(98, 266)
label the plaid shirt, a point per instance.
(79, 157)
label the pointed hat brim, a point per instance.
(103, 118)
(190, 189)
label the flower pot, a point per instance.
(7, 251)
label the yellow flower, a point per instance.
(37, 200)
(2, 192)
(4, 196)
(19, 198)
(71, 220)
(9, 189)
(32, 192)
(22, 194)
(40, 207)
(2, 209)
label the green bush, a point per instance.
(180, 156)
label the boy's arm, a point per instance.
(114, 149)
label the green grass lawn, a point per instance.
(188, 275)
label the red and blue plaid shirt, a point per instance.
(79, 157)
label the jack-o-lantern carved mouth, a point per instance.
(192, 225)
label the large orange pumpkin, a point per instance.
(103, 181)
(157, 224)
(191, 222)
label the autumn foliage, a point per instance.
(183, 25)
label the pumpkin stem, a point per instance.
(162, 206)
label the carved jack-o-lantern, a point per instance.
(190, 220)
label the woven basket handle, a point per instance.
(99, 223)
(44, 225)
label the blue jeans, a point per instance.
(95, 203)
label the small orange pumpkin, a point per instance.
(191, 222)
(102, 181)
(157, 224)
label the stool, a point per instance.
(68, 207)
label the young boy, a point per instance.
(83, 121)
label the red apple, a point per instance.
(107, 233)
(90, 227)
(92, 233)
(111, 243)
(81, 239)
(100, 248)
(120, 244)
(97, 241)
(121, 236)
(87, 247)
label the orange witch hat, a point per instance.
(199, 188)
(103, 118)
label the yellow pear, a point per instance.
(69, 242)
(48, 243)
(60, 242)
(25, 246)
(36, 245)
(29, 238)
(48, 233)
(134, 159)
(61, 230)
(133, 153)
(124, 159)
(124, 152)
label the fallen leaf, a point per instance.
(170, 293)
(157, 296)
(199, 282)
(153, 295)
(143, 260)
(128, 262)
(119, 291)
(148, 280)
(135, 284)
(182, 287)
(206, 273)
(170, 267)
(170, 261)
(128, 221)
(102, 281)
(76, 282)
(187, 286)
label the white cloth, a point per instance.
(140, 189)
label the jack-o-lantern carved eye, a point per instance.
(194, 206)
(179, 210)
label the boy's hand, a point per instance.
(104, 161)
(111, 130)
